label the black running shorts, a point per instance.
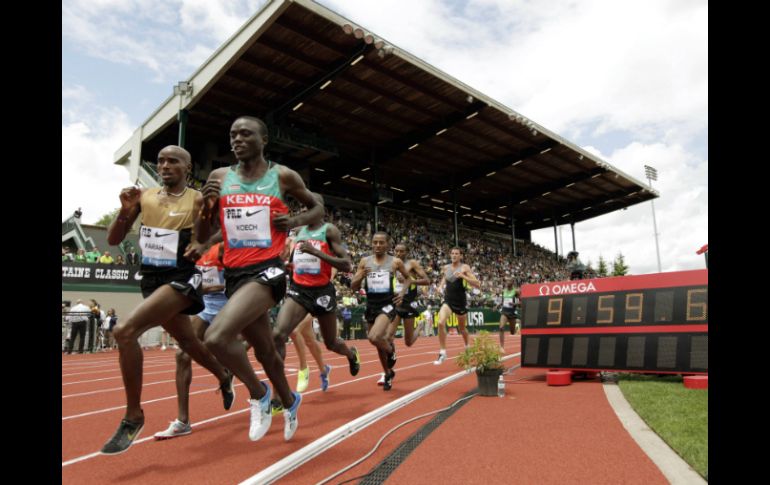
(317, 300)
(185, 281)
(457, 310)
(269, 273)
(409, 309)
(510, 313)
(372, 311)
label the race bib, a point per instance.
(211, 276)
(508, 301)
(159, 246)
(248, 227)
(378, 282)
(305, 263)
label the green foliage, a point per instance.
(602, 269)
(483, 354)
(619, 267)
(107, 219)
(677, 414)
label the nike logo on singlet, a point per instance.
(266, 186)
(249, 214)
(157, 234)
(172, 213)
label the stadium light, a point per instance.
(183, 88)
(651, 175)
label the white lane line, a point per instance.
(291, 462)
(223, 416)
(99, 411)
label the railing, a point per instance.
(151, 174)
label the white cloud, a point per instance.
(681, 212)
(89, 178)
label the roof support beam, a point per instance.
(313, 88)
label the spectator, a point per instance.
(93, 323)
(119, 260)
(108, 325)
(80, 257)
(132, 258)
(77, 318)
(93, 255)
(106, 258)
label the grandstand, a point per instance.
(369, 123)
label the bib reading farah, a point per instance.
(166, 229)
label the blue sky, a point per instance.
(635, 93)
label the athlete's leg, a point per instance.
(503, 321)
(378, 337)
(245, 308)
(410, 334)
(184, 372)
(290, 315)
(306, 329)
(328, 325)
(461, 321)
(160, 306)
(260, 337)
(443, 316)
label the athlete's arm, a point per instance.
(423, 280)
(195, 249)
(204, 219)
(129, 211)
(440, 287)
(468, 276)
(342, 261)
(399, 265)
(292, 184)
(355, 283)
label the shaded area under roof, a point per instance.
(352, 112)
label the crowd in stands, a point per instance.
(430, 242)
(95, 256)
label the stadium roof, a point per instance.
(345, 106)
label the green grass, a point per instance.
(677, 414)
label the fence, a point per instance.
(93, 327)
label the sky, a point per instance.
(627, 80)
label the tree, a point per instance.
(619, 267)
(601, 271)
(107, 219)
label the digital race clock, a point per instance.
(648, 323)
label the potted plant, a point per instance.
(483, 356)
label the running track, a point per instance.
(536, 434)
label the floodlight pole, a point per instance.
(651, 175)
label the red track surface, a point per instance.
(537, 434)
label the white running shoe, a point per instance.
(176, 428)
(382, 380)
(261, 417)
(441, 358)
(290, 417)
